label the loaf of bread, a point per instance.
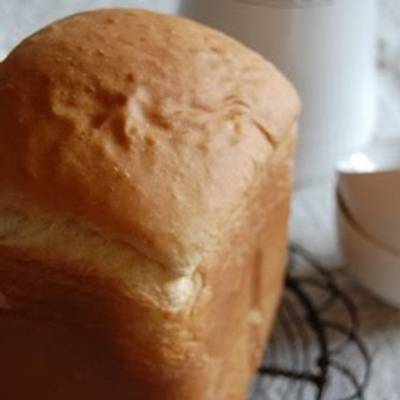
(145, 178)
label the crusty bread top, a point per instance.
(149, 128)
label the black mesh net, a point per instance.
(316, 352)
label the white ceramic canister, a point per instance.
(327, 49)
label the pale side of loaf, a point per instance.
(145, 178)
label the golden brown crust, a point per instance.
(145, 178)
(206, 352)
(149, 128)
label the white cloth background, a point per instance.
(313, 223)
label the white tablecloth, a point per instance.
(313, 223)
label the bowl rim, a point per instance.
(380, 157)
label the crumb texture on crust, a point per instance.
(56, 243)
(148, 127)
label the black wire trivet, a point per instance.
(315, 352)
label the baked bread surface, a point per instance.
(145, 177)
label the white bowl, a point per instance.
(375, 266)
(369, 184)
